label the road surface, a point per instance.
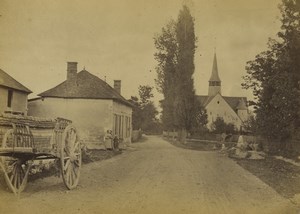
(153, 177)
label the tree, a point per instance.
(175, 55)
(185, 93)
(274, 78)
(219, 126)
(200, 118)
(144, 111)
(166, 56)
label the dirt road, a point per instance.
(153, 177)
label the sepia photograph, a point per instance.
(150, 106)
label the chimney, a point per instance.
(71, 70)
(117, 86)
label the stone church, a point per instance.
(232, 109)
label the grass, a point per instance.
(283, 177)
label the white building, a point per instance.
(13, 95)
(232, 109)
(92, 105)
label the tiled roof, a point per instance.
(9, 82)
(233, 102)
(204, 100)
(85, 85)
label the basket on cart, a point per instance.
(25, 139)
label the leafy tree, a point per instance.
(200, 119)
(175, 55)
(144, 111)
(166, 56)
(250, 125)
(274, 78)
(145, 92)
(136, 113)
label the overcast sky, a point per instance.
(115, 39)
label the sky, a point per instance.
(114, 40)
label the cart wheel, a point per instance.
(70, 157)
(15, 170)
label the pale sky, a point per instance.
(115, 39)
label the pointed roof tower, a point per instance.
(214, 74)
(214, 86)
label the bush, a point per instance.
(219, 126)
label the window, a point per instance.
(122, 126)
(9, 98)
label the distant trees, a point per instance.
(274, 78)
(175, 56)
(144, 112)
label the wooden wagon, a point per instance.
(26, 139)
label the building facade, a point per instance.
(93, 106)
(231, 109)
(13, 95)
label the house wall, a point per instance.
(91, 117)
(18, 104)
(218, 107)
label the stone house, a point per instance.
(92, 104)
(13, 95)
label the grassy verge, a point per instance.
(283, 177)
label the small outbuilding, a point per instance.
(13, 95)
(93, 105)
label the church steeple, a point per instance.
(214, 80)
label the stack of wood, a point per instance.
(32, 122)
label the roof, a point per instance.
(214, 74)
(234, 102)
(87, 86)
(9, 82)
(204, 100)
(242, 105)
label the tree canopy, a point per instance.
(175, 56)
(144, 111)
(274, 77)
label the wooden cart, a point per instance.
(25, 139)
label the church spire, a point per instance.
(214, 74)
(214, 80)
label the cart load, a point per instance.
(24, 139)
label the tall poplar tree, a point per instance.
(175, 56)
(185, 93)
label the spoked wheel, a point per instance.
(15, 170)
(70, 157)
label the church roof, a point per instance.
(242, 105)
(9, 82)
(214, 74)
(86, 86)
(233, 102)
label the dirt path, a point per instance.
(153, 177)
